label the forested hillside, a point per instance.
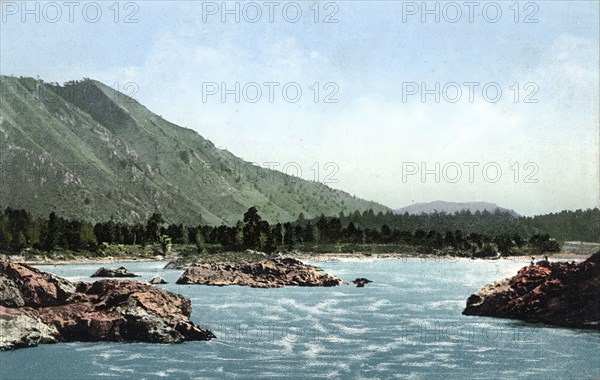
(89, 152)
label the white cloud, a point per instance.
(369, 134)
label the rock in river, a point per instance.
(361, 282)
(119, 272)
(274, 273)
(38, 307)
(157, 280)
(560, 293)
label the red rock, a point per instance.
(273, 273)
(563, 294)
(107, 310)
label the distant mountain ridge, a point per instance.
(86, 151)
(452, 208)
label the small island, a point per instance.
(271, 273)
(555, 293)
(38, 307)
(120, 272)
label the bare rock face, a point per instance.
(562, 294)
(120, 272)
(274, 273)
(157, 280)
(22, 331)
(37, 307)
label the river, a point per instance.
(406, 324)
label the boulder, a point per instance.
(360, 282)
(21, 285)
(113, 273)
(157, 280)
(37, 307)
(559, 293)
(180, 263)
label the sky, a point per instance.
(396, 102)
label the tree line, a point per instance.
(579, 225)
(18, 231)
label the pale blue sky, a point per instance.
(368, 54)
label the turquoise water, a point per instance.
(406, 324)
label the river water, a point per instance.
(406, 324)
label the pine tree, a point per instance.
(252, 223)
(153, 228)
(52, 234)
(5, 236)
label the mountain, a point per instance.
(87, 151)
(452, 207)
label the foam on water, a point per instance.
(406, 324)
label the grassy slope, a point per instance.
(89, 152)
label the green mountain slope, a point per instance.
(87, 151)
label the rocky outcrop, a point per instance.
(120, 272)
(22, 331)
(562, 294)
(361, 282)
(274, 273)
(37, 307)
(157, 280)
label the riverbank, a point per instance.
(233, 256)
(355, 256)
